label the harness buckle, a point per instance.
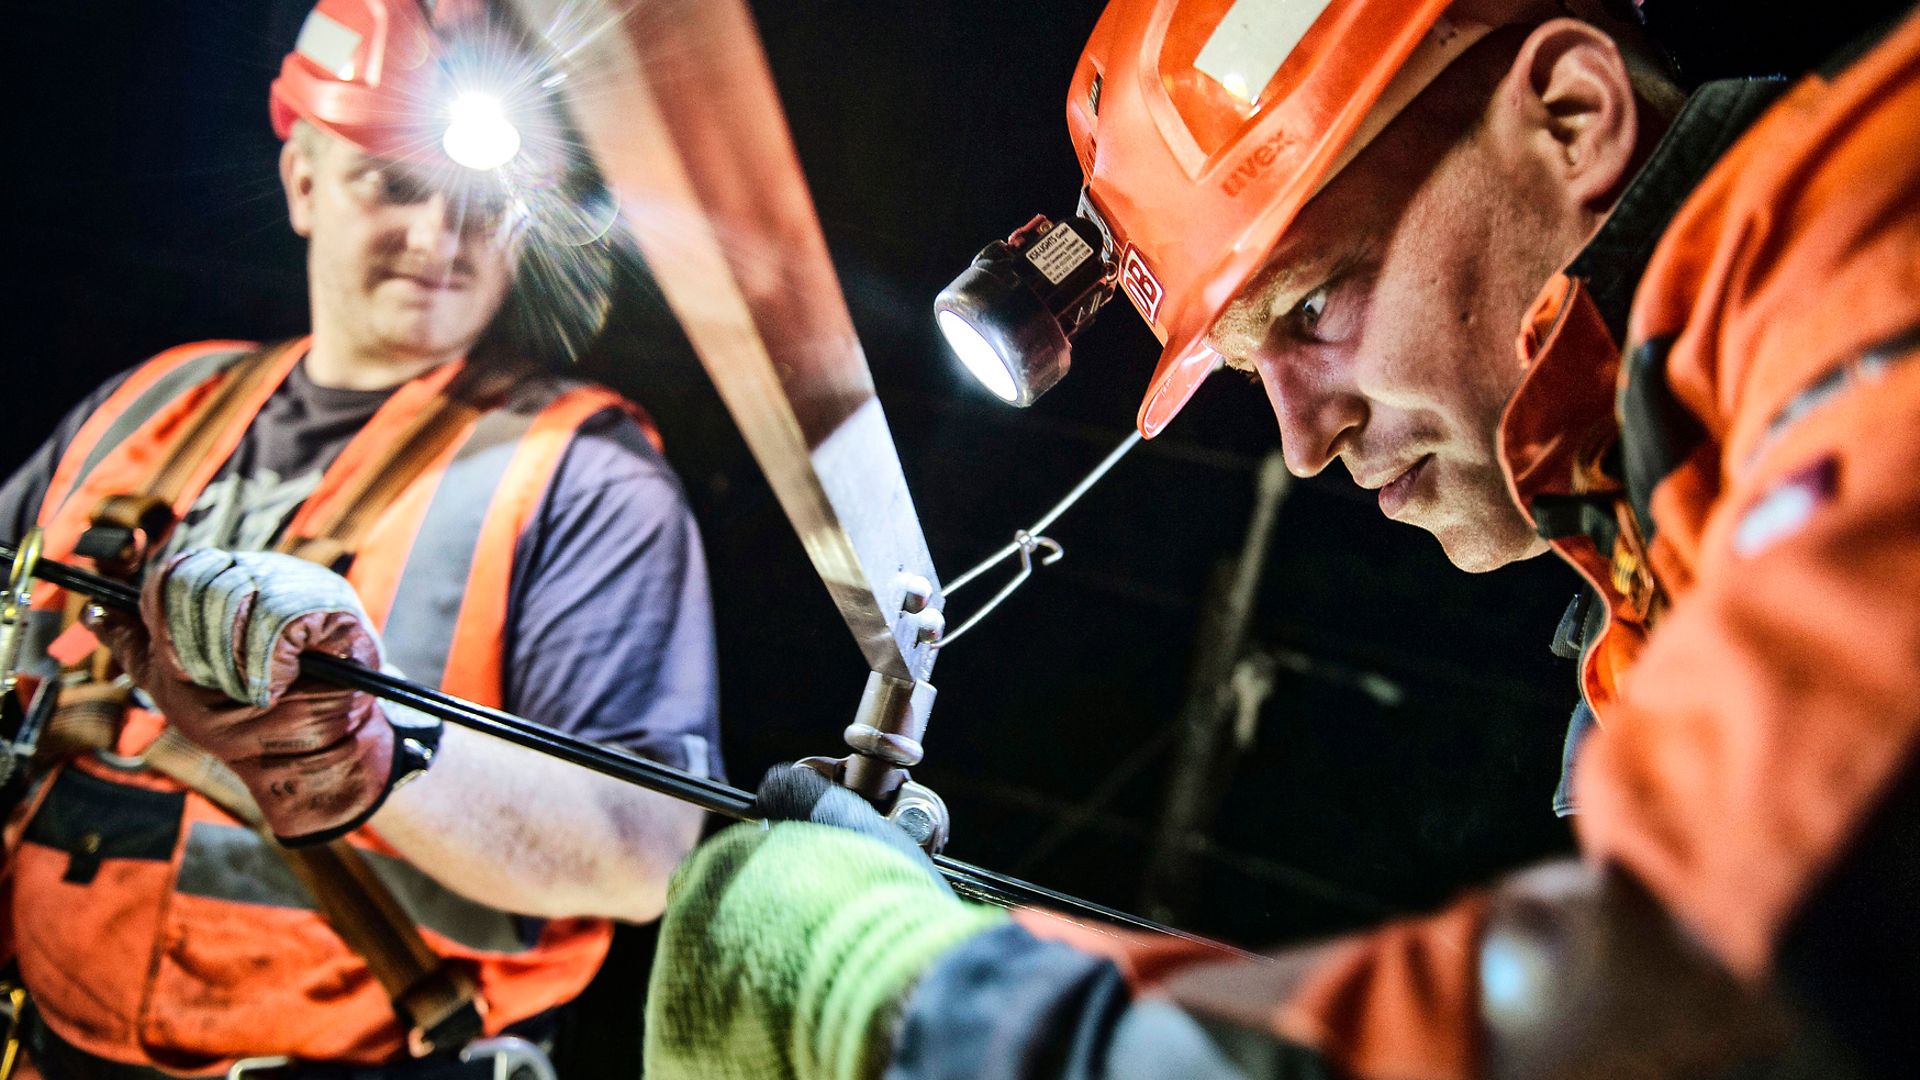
(16, 607)
(514, 1058)
(1632, 572)
(13, 1012)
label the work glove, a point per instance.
(217, 648)
(789, 947)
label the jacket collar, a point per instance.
(1559, 439)
(1713, 117)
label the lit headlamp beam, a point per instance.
(687, 129)
(479, 135)
(981, 359)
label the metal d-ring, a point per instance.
(16, 608)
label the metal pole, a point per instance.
(1198, 778)
(676, 104)
(710, 795)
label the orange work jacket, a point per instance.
(152, 927)
(1755, 683)
(1740, 485)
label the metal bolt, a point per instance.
(916, 822)
(922, 815)
(918, 591)
(928, 626)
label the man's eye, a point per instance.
(401, 189)
(1306, 314)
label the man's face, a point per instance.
(1383, 328)
(403, 264)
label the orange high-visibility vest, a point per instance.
(154, 928)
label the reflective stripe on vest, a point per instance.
(145, 391)
(134, 403)
(70, 501)
(433, 583)
(164, 389)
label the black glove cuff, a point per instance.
(414, 747)
(796, 793)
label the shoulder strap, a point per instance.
(332, 532)
(146, 390)
(125, 527)
(438, 999)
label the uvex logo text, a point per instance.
(1255, 164)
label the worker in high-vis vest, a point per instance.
(1487, 255)
(220, 868)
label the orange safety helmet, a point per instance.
(1203, 126)
(374, 73)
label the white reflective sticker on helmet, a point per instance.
(1253, 40)
(328, 42)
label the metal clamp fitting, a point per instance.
(16, 608)
(514, 1058)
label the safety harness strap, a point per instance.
(125, 528)
(333, 533)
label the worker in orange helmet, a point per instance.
(1489, 257)
(223, 869)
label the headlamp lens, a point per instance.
(1011, 316)
(979, 355)
(479, 135)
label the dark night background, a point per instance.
(146, 212)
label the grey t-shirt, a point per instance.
(609, 624)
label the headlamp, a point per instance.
(1011, 317)
(479, 135)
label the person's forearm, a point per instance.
(524, 832)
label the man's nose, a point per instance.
(1316, 414)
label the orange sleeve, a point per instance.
(1782, 695)
(1403, 1001)
(1398, 1002)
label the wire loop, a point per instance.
(1024, 544)
(1026, 541)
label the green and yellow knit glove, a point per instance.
(787, 951)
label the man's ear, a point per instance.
(1576, 110)
(296, 177)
